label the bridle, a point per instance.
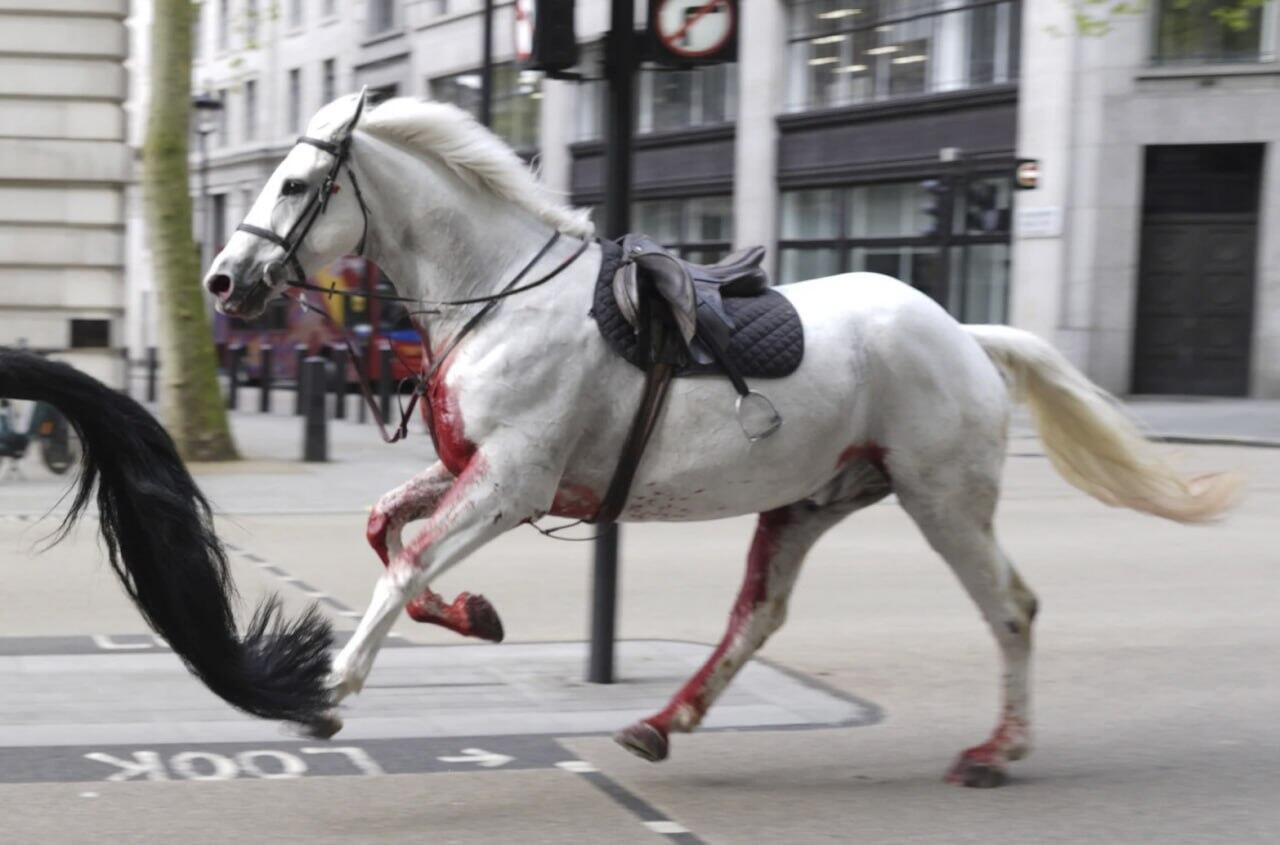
(317, 204)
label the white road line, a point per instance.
(578, 767)
(665, 827)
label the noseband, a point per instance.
(317, 204)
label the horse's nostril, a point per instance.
(219, 285)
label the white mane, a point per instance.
(462, 144)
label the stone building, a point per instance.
(64, 166)
(869, 134)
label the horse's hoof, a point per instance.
(977, 774)
(643, 740)
(323, 726)
(483, 619)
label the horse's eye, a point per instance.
(293, 187)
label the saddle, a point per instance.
(674, 318)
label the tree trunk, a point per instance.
(191, 401)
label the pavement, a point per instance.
(1155, 684)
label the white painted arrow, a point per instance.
(488, 759)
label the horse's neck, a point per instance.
(439, 238)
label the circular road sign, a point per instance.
(694, 28)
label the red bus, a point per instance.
(284, 325)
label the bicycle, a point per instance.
(46, 426)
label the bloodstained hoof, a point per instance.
(483, 619)
(322, 727)
(643, 740)
(977, 774)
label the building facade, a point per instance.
(856, 134)
(1150, 251)
(64, 166)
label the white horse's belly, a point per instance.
(700, 465)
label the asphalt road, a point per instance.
(1156, 683)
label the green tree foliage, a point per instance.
(192, 404)
(1095, 17)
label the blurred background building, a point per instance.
(64, 166)
(866, 135)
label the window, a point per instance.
(667, 100)
(250, 25)
(220, 137)
(251, 110)
(90, 334)
(1193, 31)
(516, 101)
(328, 81)
(842, 53)
(699, 228)
(295, 13)
(883, 228)
(382, 16)
(217, 231)
(295, 100)
(329, 9)
(224, 25)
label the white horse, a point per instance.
(528, 412)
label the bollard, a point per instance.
(339, 359)
(362, 407)
(315, 433)
(265, 376)
(153, 364)
(236, 353)
(384, 379)
(127, 390)
(299, 355)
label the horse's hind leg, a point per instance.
(782, 539)
(471, 616)
(959, 528)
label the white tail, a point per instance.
(1092, 442)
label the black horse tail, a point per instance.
(159, 535)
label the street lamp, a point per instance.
(207, 108)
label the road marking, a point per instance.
(480, 757)
(578, 767)
(648, 815)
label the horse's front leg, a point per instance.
(471, 616)
(492, 495)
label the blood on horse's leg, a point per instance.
(468, 615)
(782, 538)
(959, 529)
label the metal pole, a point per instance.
(315, 433)
(384, 380)
(264, 378)
(206, 242)
(300, 355)
(153, 364)
(486, 66)
(339, 358)
(362, 407)
(620, 68)
(236, 354)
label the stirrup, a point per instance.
(766, 420)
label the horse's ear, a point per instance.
(355, 116)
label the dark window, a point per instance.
(1208, 31)
(667, 100)
(250, 110)
(843, 53)
(698, 228)
(328, 81)
(516, 101)
(382, 16)
(90, 334)
(883, 228)
(295, 100)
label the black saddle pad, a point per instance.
(767, 340)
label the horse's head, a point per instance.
(308, 214)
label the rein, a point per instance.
(421, 380)
(318, 204)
